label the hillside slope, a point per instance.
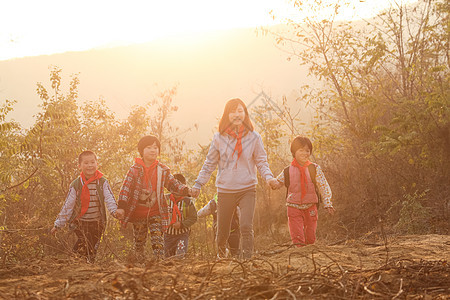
(208, 69)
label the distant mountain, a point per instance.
(209, 69)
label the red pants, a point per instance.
(302, 225)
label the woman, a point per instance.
(238, 150)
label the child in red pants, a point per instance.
(304, 181)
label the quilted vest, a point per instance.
(294, 190)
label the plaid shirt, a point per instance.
(132, 188)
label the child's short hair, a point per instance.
(84, 154)
(180, 178)
(300, 142)
(148, 140)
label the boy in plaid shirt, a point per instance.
(142, 197)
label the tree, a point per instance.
(9, 132)
(382, 104)
(38, 165)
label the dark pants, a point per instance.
(88, 234)
(234, 240)
(227, 203)
(176, 244)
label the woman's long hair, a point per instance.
(231, 105)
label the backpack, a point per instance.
(185, 203)
(312, 173)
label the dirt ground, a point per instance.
(407, 267)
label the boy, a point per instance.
(234, 239)
(183, 216)
(142, 197)
(84, 208)
(304, 180)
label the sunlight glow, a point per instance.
(52, 26)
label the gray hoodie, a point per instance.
(235, 175)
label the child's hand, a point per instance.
(54, 230)
(274, 183)
(195, 192)
(144, 195)
(120, 214)
(330, 210)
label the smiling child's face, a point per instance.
(302, 154)
(88, 165)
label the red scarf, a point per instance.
(149, 173)
(85, 196)
(238, 136)
(175, 209)
(303, 180)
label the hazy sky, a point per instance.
(35, 27)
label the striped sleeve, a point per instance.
(110, 201)
(67, 209)
(175, 186)
(125, 191)
(210, 164)
(260, 157)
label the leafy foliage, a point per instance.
(37, 165)
(382, 107)
(381, 133)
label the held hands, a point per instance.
(195, 192)
(274, 183)
(119, 214)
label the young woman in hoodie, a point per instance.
(238, 151)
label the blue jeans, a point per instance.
(176, 244)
